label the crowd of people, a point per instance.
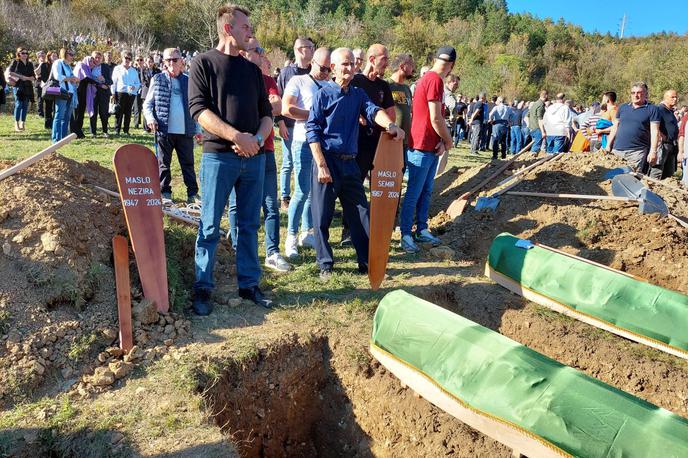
(330, 108)
(650, 137)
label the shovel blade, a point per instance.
(486, 203)
(626, 185)
(652, 203)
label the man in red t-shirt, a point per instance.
(273, 259)
(430, 139)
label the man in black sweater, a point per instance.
(227, 97)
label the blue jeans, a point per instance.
(516, 139)
(536, 134)
(287, 166)
(21, 107)
(300, 204)
(220, 172)
(556, 144)
(270, 208)
(63, 112)
(422, 166)
(525, 133)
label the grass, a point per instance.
(81, 347)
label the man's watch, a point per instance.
(261, 141)
(389, 127)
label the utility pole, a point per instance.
(623, 25)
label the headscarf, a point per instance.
(83, 70)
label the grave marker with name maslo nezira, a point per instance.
(136, 169)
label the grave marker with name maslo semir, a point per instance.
(136, 169)
(385, 188)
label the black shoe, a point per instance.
(362, 268)
(255, 295)
(325, 274)
(201, 304)
(346, 238)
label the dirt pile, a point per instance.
(612, 233)
(58, 306)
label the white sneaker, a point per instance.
(290, 248)
(307, 239)
(276, 262)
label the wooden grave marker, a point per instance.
(138, 181)
(385, 190)
(120, 250)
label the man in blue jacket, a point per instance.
(166, 110)
(332, 134)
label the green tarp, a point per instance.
(499, 377)
(623, 301)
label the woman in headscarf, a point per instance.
(86, 93)
(21, 75)
(62, 72)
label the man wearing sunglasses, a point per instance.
(125, 86)
(303, 54)
(296, 104)
(166, 111)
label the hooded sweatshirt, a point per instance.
(557, 119)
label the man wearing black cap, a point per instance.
(430, 138)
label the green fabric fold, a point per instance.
(497, 376)
(628, 303)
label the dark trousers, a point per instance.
(183, 145)
(499, 131)
(101, 107)
(137, 110)
(77, 122)
(347, 186)
(126, 101)
(39, 101)
(485, 135)
(48, 112)
(364, 159)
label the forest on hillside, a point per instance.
(502, 53)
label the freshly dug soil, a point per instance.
(611, 233)
(55, 234)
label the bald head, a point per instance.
(320, 66)
(377, 60)
(670, 98)
(303, 52)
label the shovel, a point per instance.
(457, 207)
(491, 202)
(628, 185)
(648, 201)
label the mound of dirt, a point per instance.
(57, 294)
(612, 233)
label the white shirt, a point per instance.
(558, 119)
(303, 87)
(124, 79)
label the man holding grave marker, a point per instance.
(430, 138)
(332, 132)
(227, 96)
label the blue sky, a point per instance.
(644, 17)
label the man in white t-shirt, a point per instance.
(558, 122)
(296, 103)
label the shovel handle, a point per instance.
(570, 196)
